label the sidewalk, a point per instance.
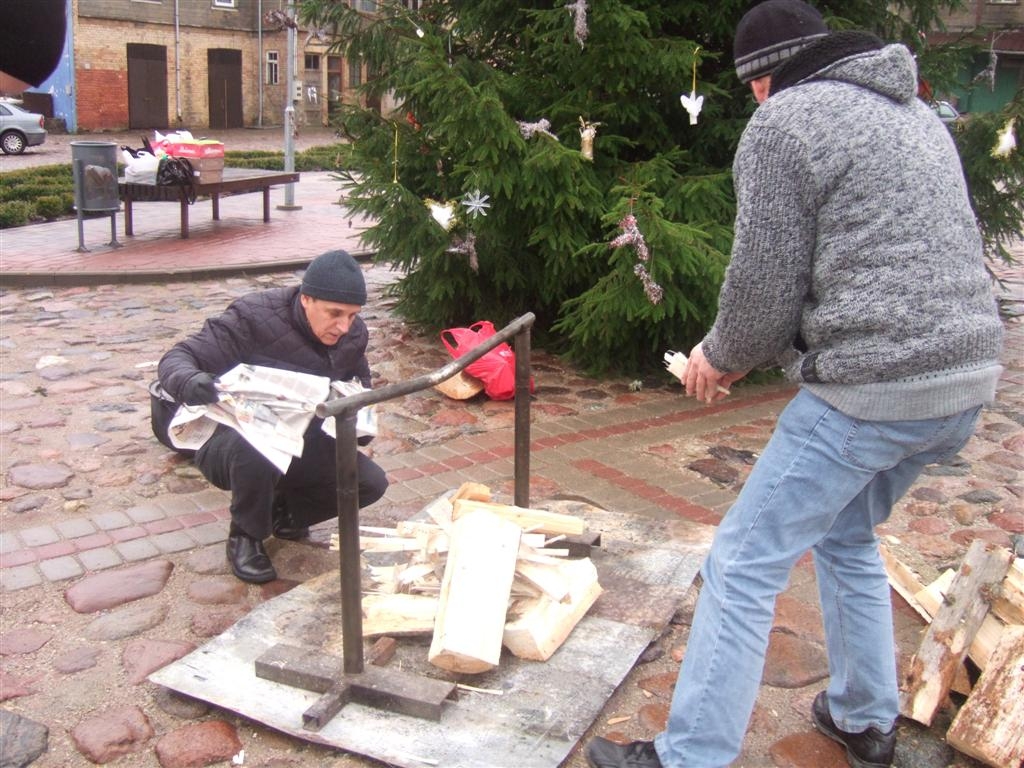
(87, 491)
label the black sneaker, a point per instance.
(602, 753)
(867, 749)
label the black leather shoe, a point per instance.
(867, 749)
(602, 753)
(249, 560)
(285, 528)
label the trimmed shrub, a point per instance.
(14, 213)
(50, 207)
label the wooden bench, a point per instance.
(235, 181)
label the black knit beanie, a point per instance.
(335, 276)
(771, 32)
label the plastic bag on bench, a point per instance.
(140, 168)
(177, 171)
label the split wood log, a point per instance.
(932, 597)
(904, 581)
(990, 725)
(472, 491)
(1009, 605)
(531, 520)
(543, 624)
(945, 644)
(399, 615)
(475, 592)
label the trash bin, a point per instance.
(94, 167)
(94, 164)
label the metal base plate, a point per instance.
(543, 708)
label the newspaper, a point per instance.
(269, 407)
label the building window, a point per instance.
(273, 71)
(355, 73)
(370, 6)
(412, 5)
(224, 3)
(312, 61)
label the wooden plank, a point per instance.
(531, 520)
(549, 579)
(945, 644)
(990, 725)
(475, 592)
(544, 623)
(473, 492)
(903, 580)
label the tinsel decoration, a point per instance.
(632, 236)
(578, 10)
(466, 246)
(587, 133)
(693, 103)
(529, 130)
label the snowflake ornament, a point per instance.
(476, 203)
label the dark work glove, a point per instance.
(199, 390)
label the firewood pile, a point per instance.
(477, 577)
(976, 617)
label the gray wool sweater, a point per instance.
(857, 263)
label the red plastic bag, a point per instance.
(496, 369)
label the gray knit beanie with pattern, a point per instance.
(771, 32)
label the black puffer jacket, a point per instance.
(266, 328)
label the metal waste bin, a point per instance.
(94, 165)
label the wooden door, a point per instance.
(147, 86)
(225, 87)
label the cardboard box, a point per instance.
(197, 149)
(207, 170)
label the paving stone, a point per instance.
(39, 476)
(208, 561)
(807, 750)
(112, 734)
(799, 618)
(24, 740)
(654, 716)
(23, 640)
(100, 559)
(217, 590)
(28, 503)
(210, 533)
(173, 541)
(60, 568)
(75, 528)
(39, 535)
(13, 687)
(77, 660)
(792, 662)
(126, 622)
(660, 685)
(198, 744)
(107, 521)
(19, 577)
(114, 588)
(145, 514)
(178, 705)
(140, 658)
(136, 549)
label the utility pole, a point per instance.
(293, 95)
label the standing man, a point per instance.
(312, 328)
(857, 267)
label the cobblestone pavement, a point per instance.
(111, 547)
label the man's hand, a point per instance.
(200, 390)
(704, 381)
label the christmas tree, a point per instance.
(570, 159)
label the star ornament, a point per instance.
(476, 203)
(692, 104)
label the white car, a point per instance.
(19, 129)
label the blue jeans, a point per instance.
(824, 481)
